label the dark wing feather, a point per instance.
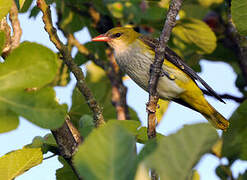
(177, 61)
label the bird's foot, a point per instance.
(169, 76)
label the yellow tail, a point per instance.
(216, 119)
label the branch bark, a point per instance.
(81, 85)
(155, 68)
(11, 41)
(67, 137)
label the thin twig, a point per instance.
(227, 96)
(48, 157)
(119, 91)
(17, 31)
(155, 68)
(81, 85)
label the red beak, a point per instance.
(101, 37)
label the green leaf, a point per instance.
(239, 15)
(223, 172)
(25, 5)
(130, 125)
(17, 162)
(194, 10)
(194, 32)
(65, 173)
(39, 107)
(8, 119)
(108, 153)
(234, 139)
(142, 136)
(5, 6)
(46, 143)
(86, 125)
(22, 70)
(154, 13)
(2, 41)
(178, 153)
(30, 65)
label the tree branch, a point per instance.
(155, 68)
(111, 68)
(81, 85)
(12, 41)
(227, 96)
(68, 139)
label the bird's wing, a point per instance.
(177, 61)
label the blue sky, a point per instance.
(219, 75)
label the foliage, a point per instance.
(17, 162)
(29, 73)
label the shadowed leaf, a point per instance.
(178, 153)
(234, 139)
(239, 15)
(107, 153)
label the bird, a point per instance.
(135, 52)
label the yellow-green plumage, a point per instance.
(135, 53)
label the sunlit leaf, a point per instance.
(207, 3)
(107, 153)
(195, 32)
(178, 153)
(239, 15)
(17, 162)
(116, 9)
(5, 6)
(23, 69)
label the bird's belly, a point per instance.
(167, 89)
(136, 65)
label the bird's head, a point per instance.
(118, 38)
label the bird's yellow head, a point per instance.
(118, 38)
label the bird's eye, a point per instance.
(117, 35)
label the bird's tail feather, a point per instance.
(216, 119)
